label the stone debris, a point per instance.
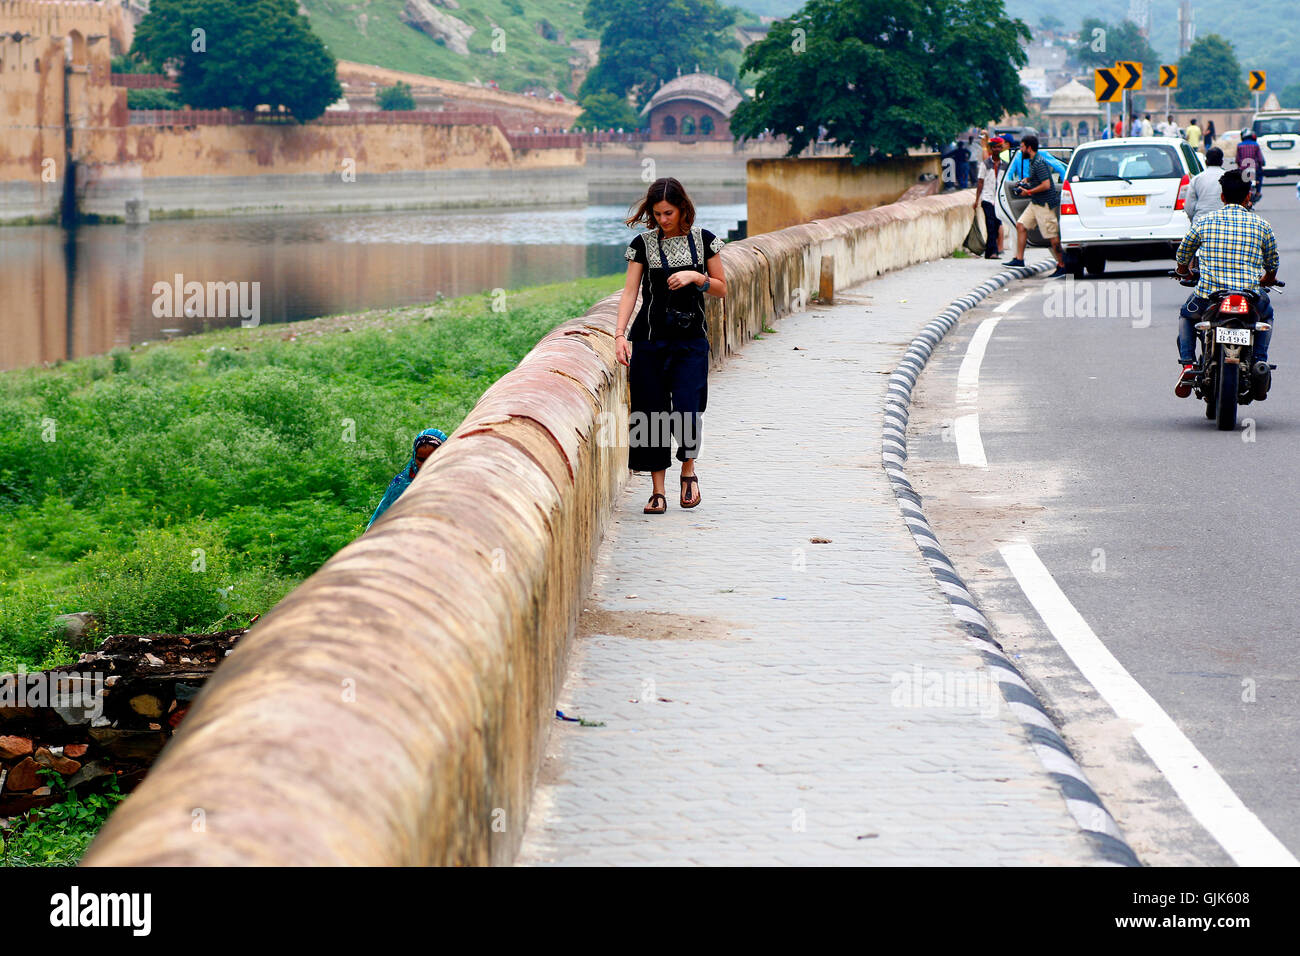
(109, 714)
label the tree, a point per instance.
(396, 97)
(884, 76)
(645, 41)
(154, 98)
(1210, 78)
(1105, 44)
(605, 111)
(1289, 98)
(240, 53)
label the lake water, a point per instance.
(65, 295)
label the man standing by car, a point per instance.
(1203, 195)
(1044, 201)
(1193, 135)
(1237, 252)
(986, 197)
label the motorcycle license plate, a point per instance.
(1232, 336)
(1126, 200)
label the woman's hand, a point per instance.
(679, 279)
(622, 350)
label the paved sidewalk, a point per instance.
(770, 700)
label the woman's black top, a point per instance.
(650, 322)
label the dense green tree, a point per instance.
(396, 97)
(645, 41)
(884, 76)
(606, 111)
(1210, 78)
(1289, 98)
(240, 53)
(152, 99)
(1115, 42)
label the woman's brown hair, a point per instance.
(663, 190)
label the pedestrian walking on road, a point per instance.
(1193, 135)
(1044, 201)
(673, 263)
(1147, 128)
(1210, 133)
(426, 443)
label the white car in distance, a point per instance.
(1122, 200)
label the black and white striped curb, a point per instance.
(1098, 826)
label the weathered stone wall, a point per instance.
(392, 709)
(784, 192)
(308, 168)
(58, 102)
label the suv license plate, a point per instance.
(1126, 200)
(1232, 336)
(1281, 144)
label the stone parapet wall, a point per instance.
(392, 709)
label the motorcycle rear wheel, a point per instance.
(1227, 394)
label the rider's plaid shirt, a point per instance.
(1236, 247)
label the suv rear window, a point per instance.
(1280, 124)
(1148, 161)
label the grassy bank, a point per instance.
(187, 486)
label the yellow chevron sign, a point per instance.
(1169, 76)
(1107, 85)
(1258, 80)
(1130, 74)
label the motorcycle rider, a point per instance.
(1235, 246)
(1250, 160)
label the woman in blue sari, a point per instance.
(426, 443)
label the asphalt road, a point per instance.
(1179, 544)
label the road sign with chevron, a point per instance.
(1130, 74)
(1106, 84)
(1169, 75)
(1258, 80)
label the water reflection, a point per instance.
(65, 296)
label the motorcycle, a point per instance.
(1226, 374)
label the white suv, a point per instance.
(1278, 135)
(1122, 199)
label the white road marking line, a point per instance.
(966, 429)
(1194, 779)
(966, 433)
(1010, 304)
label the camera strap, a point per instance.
(663, 259)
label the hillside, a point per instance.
(457, 41)
(1269, 38)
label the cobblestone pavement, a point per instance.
(763, 696)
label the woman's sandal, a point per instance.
(693, 483)
(650, 508)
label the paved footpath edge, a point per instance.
(1083, 801)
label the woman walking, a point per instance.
(673, 263)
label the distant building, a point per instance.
(1071, 116)
(693, 107)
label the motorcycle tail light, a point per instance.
(1263, 326)
(1235, 304)
(1183, 188)
(1202, 325)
